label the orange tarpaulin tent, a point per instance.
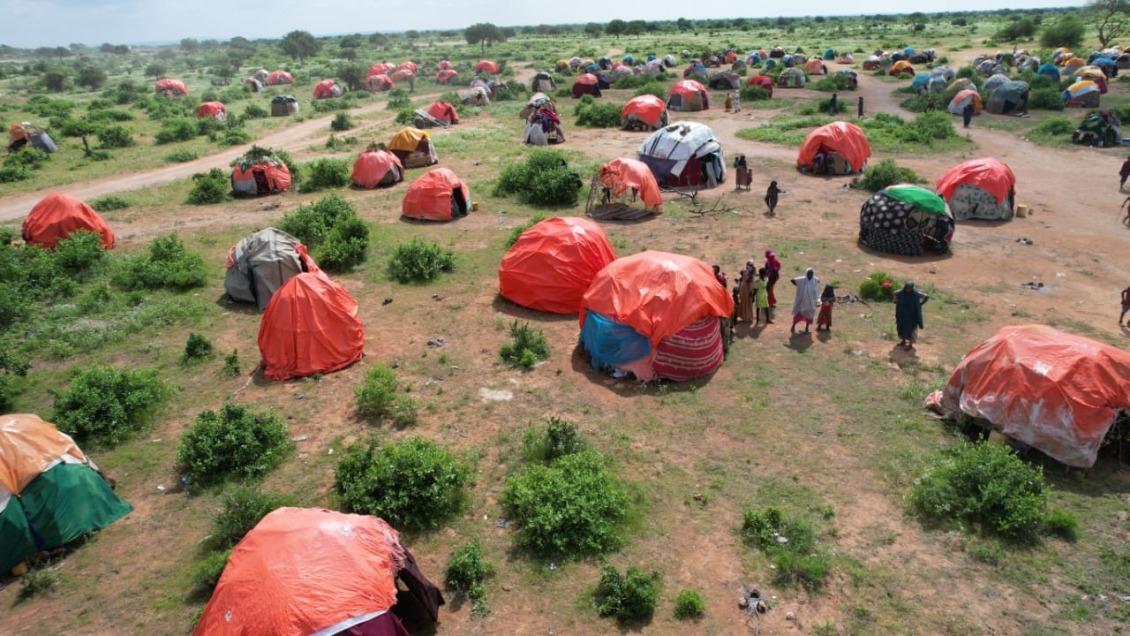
(303, 571)
(169, 86)
(402, 75)
(408, 66)
(28, 447)
(649, 108)
(551, 264)
(215, 110)
(443, 111)
(260, 178)
(843, 138)
(900, 67)
(657, 294)
(764, 81)
(372, 167)
(815, 66)
(691, 93)
(57, 215)
(487, 66)
(381, 68)
(446, 75)
(310, 326)
(991, 175)
(429, 198)
(379, 82)
(279, 77)
(443, 64)
(325, 89)
(1054, 391)
(622, 175)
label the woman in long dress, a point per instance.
(773, 266)
(745, 293)
(807, 298)
(908, 314)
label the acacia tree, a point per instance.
(299, 44)
(1111, 18)
(484, 34)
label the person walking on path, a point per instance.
(827, 300)
(773, 266)
(966, 115)
(860, 104)
(807, 297)
(771, 195)
(737, 102)
(908, 314)
(1124, 174)
(833, 104)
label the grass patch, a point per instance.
(377, 398)
(689, 605)
(790, 542)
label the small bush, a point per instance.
(466, 573)
(107, 405)
(650, 88)
(235, 442)
(413, 483)
(824, 107)
(1045, 99)
(233, 137)
(630, 597)
(341, 122)
(241, 508)
(206, 573)
(12, 174)
(878, 287)
(418, 261)
(35, 583)
(543, 179)
(597, 114)
(886, 173)
(166, 264)
(529, 346)
(325, 173)
(985, 487)
(231, 364)
(1062, 524)
(346, 245)
(406, 116)
(376, 395)
(557, 439)
(173, 130)
(1052, 129)
(255, 111)
(398, 99)
(833, 83)
(197, 347)
(689, 604)
(180, 156)
(109, 203)
(312, 223)
(115, 137)
(790, 542)
(209, 187)
(80, 252)
(570, 508)
(753, 94)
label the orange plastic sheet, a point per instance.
(173, 85)
(687, 89)
(443, 111)
(28, 447)
(487, 66)
(841, 137)
(57, 215)
(621, 175)
(310, 326)
(324, 89)
(649, 108)
(210, 109)
(551, 265)
(991, 175)
(429, 197)
(372, 166)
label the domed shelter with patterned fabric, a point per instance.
(171, 87)
(623, 190)
(837, 148)
(688, 95)
(586, 84)
(25, 133)
(543, 128)
(51, 493)
(792, 78)
(260, 263)
(212, 110)
(259, 172)
(643, 113)
(279, 78)
(57, 216)
(310, 326)
(725, 81)
(1010, 97)
(979, 189)
(328, 89)
(1099, 129)
(906, 220)
(963, 98)
(414, 148)
(542, 83)
(1082, 94)
(655, 315)
(377, 168)
(438, 195)
(684, 154)
(552, 264)
(309, 571)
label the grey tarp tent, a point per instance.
(261, 262)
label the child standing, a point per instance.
(827, 300)
(761, 296)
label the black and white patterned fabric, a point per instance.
(891, 226)
(972, 202)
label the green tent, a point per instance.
(16, 542)
(920, 198)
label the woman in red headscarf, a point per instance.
(773, 266)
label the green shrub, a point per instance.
(107, 405)
(1062, 524)
(543, 179)
(412, 484)
(596, 114)
(824, 107)
(108, 114)
(173, 130)
(231, 364)
(206, 573)
(753, 93)
(312, 223)
(114, 137)
(81, 251)
(985, 487)
(242, 507)
(233, 137)
(807, 570)
(418, 261)
(1066, 31)
(37, 582)
(166, 264)
(529, 346)
(197, 347)
(345, 246)
(650, 88)
(886, 173)
(571, 508)
(325, 173)
(878, 287)
(12, 174)
(790, 542)
(341, 122)
(406, 116)
(255, 111)
(466, 573)
(833, 83)
(517, 232)
(109, 203)
(635, 81)
(1045, 99)
(925, 102)
(689, 604)
(375, 396)
(1052, 129)
(209, 187)
(557, 439)
(398, 99)
(630, 597)
(27, 158)
(180, 156)
(233, 443)
(211, 127)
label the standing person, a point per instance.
(774, 267)
(967, 115)
(729, 103)
(745, 293)
(720, 277)
(1124, 173)
(1125, 306)
(833, 104)
(804, 305)
(827, 300)
(860, 105)
(771, 194)
(737, 101)
(908, 314)
(761, 297)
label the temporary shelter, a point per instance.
(544, 128)
(51, 494)
(906, 220)
(687, 95)
(575, 62)
(402, 75)
(315, 572)
(310, 327)
(542, 83)
(212, 110)
(379, 83)
(475, 96)
(552, 264)
(259, 172)
(377, 169)
(439, 114)
(645, 112)
(763, 81)
(414, 148)
(835, 148)
(328, 89)
(623, 190)
(408, 66)
(1093, 73)
(684, 154)
(1071, 65)
(1100, 129)
(901, 67)
(57, 215)
(24, 133)
(252, 83)
(276, 78)
(848, 77)
(669, 61)
(587, 84)
(962, 99)
(446, 76)
(438, 195)
(725, 81)
(792, 78)
(1049, 71)
(846, 58)
(979, 189)
(1054, 391)
(536, 102)
(381, 68)
(872, 63)
(260, 263)
(993, 83)
(444, 64)
(656, 315)
(815, 67)
(561, 65)
(829, 54)
(487, 66)
(1084, 94)
(171, 87)
(283, 105)
(1010, 97)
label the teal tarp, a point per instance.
(16, 542)
(69, 502)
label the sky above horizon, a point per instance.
(33, 23)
